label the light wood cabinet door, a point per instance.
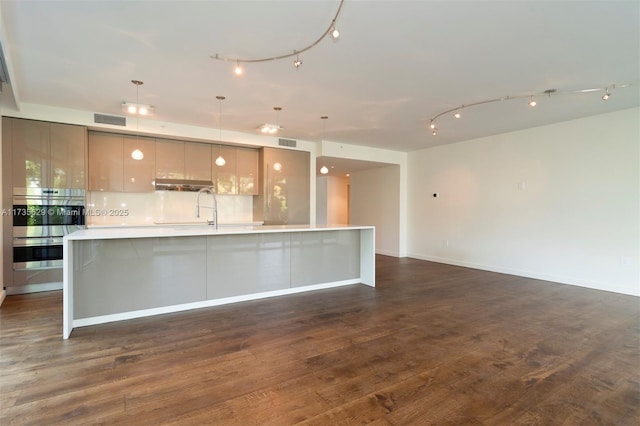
(68, 153)
(197, 161)
(106, 168)
(285, 200)
(170, 159)
(139, 163)
(30, 145)
(247, 171)
(224, 172)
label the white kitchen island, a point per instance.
(114, 274)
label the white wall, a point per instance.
(375, 200)
(558, 202)
(332, 200)
(392, 231)
(338, 200)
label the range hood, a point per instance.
(186, 185)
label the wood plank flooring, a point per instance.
(431, 344)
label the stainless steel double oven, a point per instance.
(41, 218)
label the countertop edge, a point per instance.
(159, 231)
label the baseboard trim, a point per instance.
(3, 295)
(560, 279)
(388, 253)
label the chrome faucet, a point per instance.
(214, 220)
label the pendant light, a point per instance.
(220, 161)
(137, 154)
(324, 170)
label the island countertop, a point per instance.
(191, 230)
(121, 273)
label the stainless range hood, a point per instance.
(186, 185)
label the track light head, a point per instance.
(297, 62)
(606, 95)
(433, 125)
(457, 114)
(335, 34)
(532, 102)
(238, 69)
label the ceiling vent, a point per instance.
(287, 142)
(110, 119)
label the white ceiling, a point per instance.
(397, 63)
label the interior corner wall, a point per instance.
(559, 202)
(337, 200)
(321, 200)
(375, 200)
(332, 200)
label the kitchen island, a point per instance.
(114, 274)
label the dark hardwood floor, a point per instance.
(432, 344)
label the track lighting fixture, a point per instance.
(331, 31)
(531, 97)
(271, 129)
(137, 108)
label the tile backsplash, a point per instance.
(134, 209)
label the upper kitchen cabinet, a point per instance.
(121, 163)
(225, 180)
(106, 167)
(169, 159)
(247, 171)
(139, 163)
(47, 155)
(285, 196)
(68, 155)
(197, 161)
(183, 160)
